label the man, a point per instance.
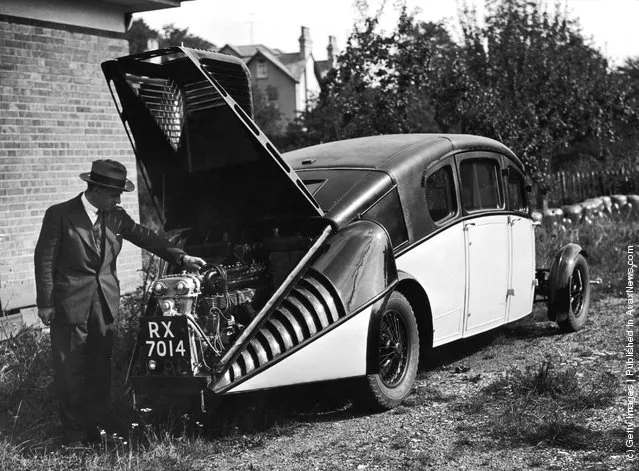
(78, 291)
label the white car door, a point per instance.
(522, 247)
(487, 254)
(487, 241)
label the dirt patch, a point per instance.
(464, 413)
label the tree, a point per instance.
(265, 113)
(531, 81)
(526, 77)
(629, 73)
(139, 34)
(173, 36)
(383, 83)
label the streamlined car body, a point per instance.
(341, 260)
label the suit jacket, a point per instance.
(68, 266)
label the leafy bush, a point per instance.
(605, 241)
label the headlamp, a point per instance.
(181, 288)
(159, 288)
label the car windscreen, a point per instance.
(330, 186)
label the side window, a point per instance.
(440, 194)
(388, 212)
(480, 184)
(516, 189)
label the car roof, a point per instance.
(391, 153)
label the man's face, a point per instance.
(106, 198)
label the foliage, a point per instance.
(139, 34)
(629, 72)
(265, 112)
(605, 241)
(383, 83)
(174, 36)
(526, 77)
(532, 82)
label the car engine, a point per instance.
(221, 300)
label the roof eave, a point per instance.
(275, 63)
(135, 6)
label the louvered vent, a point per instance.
(305, 312)
(164, 100)
(201, 96)
(233, 79)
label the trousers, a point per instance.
(82, 371)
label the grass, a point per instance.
(545, 403)
(605, 241)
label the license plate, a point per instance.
(165, 337)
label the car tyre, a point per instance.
(575, 298)
(398, 344)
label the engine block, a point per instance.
(218, 303)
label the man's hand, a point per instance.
(46, 315)
(192, 263)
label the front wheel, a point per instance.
(398, 356)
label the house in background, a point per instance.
(56, 117)
(288, 81)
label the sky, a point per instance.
(612, 25)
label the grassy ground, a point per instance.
(522, 397)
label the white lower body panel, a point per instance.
(341, 353)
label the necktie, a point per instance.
(98, 231)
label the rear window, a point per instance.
(328, 187)
(516, 189)
(480, 184)
(388, 212)
(440, 194)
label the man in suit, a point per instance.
(78, 291)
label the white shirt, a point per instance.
(91, 210)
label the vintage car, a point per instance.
(343, 260)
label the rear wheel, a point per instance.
(398, 356)
(576, 298)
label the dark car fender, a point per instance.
(359, 263)
(361, 266)
(560, 270)
(352, 272)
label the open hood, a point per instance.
(188, 115)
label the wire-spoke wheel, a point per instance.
(393, 348)
(578, 296)
(397, 356)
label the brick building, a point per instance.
(56, 117)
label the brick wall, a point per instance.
(56, 117)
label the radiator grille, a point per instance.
(307, 311)
(165, 102)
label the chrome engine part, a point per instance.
(217, 303)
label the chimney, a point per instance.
(306, 43)
(331, 50)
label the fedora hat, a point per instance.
(108, 173)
